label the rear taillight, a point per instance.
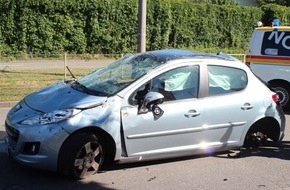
(276, 99)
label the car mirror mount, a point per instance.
(150, 103)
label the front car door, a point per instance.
(177, 131)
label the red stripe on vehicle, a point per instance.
(268, 59)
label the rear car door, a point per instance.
(228, 106)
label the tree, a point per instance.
(278, 2)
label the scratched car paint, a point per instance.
(148, 106)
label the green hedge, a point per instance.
(55, 26)
(110, 27)
(272, 11)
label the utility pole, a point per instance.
(142, 26)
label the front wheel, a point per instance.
(283, 90)
(81, 156)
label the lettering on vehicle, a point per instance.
(279, 38)
(276, 43)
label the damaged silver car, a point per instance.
(147, 106)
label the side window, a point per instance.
(177, 84)
(224, 80)
(276, 43)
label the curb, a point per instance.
(8, 104)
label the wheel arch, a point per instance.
(268, 126)
(105, 139)
(279, 81)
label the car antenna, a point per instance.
(70, 72)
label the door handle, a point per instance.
(247, 106)
(192, 113)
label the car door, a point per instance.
(229, 108)
(178, 129)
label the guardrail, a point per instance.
(66, 58)
(241, 57)
(4, 67)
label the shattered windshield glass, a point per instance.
(117, 75)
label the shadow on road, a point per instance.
(15, 176)
(270, 150)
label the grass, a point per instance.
(15, 84)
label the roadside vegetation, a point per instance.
(17, 83)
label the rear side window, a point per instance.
(223, 80)
(276, 43)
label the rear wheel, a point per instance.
(283, 90)
(81, 156)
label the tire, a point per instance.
(81, 156)
(283, 90)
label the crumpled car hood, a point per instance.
(61, 96)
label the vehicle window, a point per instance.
(224, 80)
(177, 84)
(276, 43)
(116, 76)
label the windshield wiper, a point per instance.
(78, 86)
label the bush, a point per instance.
(110, 27)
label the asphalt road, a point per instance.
(264, 168)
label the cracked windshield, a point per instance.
(116, 76)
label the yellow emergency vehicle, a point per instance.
(269, 58)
